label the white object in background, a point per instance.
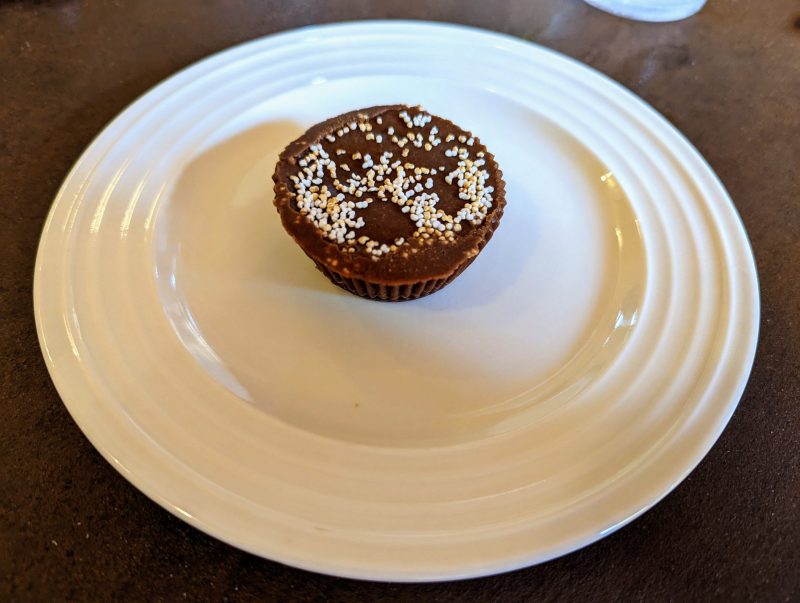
(650, 10)
(560, 387)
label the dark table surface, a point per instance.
(72, 528)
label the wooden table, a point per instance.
(72, 528)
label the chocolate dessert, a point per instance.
(391, 202)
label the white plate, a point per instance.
(561, 386)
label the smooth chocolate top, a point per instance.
(390, 194)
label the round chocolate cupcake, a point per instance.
(390, 202)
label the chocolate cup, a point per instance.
(338, 267)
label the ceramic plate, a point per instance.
(567, 381)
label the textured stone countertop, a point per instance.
(729, 78)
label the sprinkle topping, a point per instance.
(331, 193)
